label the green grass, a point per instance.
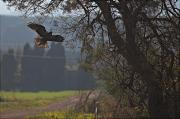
(62, 115)
(26, 100)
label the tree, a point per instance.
(8, 70)
(144, 32)
(27, 67)
(33, 65)
(0, 63)
(54, 69)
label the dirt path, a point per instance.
(21, 114)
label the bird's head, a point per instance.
(31, 25)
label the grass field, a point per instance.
(67, 114)
(26, 100)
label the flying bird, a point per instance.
(43, 35)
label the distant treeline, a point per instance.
(36, 69)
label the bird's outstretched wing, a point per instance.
(38, 28)
(44, 36)
(56, 38)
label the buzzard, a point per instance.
(43, 35)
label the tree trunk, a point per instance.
(157, 107)
(136, 59)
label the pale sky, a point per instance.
(5, 11)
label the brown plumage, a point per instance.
(44, 36)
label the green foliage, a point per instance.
(35, 95)
(25, 100)
(62, 115)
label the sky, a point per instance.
(5, 11)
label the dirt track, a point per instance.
(21, 114)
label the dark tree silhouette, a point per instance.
(46, 71)
(54, 69)
(27, 67)
(0, 70)
(8, 70)
(32, 68)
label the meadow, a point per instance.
(66, 114)
(27, 100)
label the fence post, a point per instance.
(96, 111)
